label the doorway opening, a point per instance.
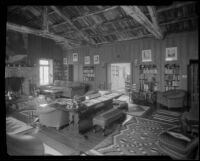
(119, 74)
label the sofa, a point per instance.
(68, 88)
(172, 99)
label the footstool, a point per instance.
(106, 118)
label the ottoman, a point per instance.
(107, 118)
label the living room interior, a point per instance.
(95, 80)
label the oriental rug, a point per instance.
(14, 126)
(167, 116)
(137, 110)
(139, 136)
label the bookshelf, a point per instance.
(148, 83)
(57, 70)
(148, 78)
(172, 77)
(88, 73)
(68, 72)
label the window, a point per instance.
(45, 72)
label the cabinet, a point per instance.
(193, 84)
(172, 76)
(88, 73)
(68, 72)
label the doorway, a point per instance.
(119, 74)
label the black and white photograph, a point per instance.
(75, 57)
(171, 54)
(113, 80)
(96, 59)
(87, 60)
(146, 56)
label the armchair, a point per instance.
(52, 117)
(182, 142)
(24, 145)
(172, 98)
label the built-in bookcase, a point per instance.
(172, 76)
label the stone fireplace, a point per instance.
(21, 79)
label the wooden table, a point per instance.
(81, 119)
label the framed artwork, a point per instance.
(87, 59)
(171, 54)
(146, 56)
(96, 59)
(65, 61)
(75, 57)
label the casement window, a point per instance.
(45, 71)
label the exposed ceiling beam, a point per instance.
(127, 18)
(95, 12)
(24, 29)
(68, 21)
(58, 24)
(45, 19)
(154, 18)
(173, 6)
(130, 38)
(140, 17)
(140, 27)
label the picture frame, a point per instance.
(146, 56)
(96, 59)
(65, 61)
(87, 60)
(171, 54)
(75, 57)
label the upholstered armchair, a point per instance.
(183, 142)
(18, 145)
(172, 99)
(52, 117)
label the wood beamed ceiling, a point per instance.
(73, 26)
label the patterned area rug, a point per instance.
(14, 126)
(137, 110)
(166, 116)
(138, 137)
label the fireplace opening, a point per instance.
(13, 86)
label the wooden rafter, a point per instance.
(130, 38)
(28, 30)
(140, 27)
(126, 18)
(45, 20)
(95, 12)
(154, 18)
(140, 17)
(68, 21)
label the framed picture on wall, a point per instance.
(171, 54)
(75, 57)
(146, 56)
(87, 60)
(96, 59)
(65, 61)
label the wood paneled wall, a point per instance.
(39, 47)
(128, 51)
